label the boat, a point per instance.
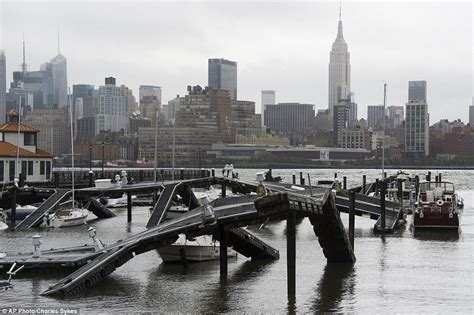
(21, 211)
(3, 225)
(437, 206)
(201, 248)
(66, 215)
(408, 191)
(115, 202)
(177, 208)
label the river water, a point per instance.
(396, 273)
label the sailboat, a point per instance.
(69, 213)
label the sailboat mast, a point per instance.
(17, 170)
(72, 145)
(383, 131)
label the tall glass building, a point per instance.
(222, 74)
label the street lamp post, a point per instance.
(90, 157)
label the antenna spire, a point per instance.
(58, 40)
(23, 65)
(340, 9)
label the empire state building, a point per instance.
(339, 70)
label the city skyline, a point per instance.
(290, 58)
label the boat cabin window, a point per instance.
(446, 186)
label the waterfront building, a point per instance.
(339, 70)
(222, 75)
(375, 115)
(356, 137)
(34, 164)
(112, 114)
(53, 126)
(3, 86)
(312, 153)
(264, 139)
(268, 98)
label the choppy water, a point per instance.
(402, 272)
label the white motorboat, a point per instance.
(3, 225)
(66, 215)
(201, 248)
(177, 208)
(116, 202)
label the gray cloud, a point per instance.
(281, 45)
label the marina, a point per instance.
(363, 232)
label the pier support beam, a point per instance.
(13, 206)
(364, 181)
(352, 199)
(129, 207)
(291, 253)
(223, 251)
(382, 204)
(223, 190)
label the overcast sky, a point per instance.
(283, 46)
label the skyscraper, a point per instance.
(417, 122)
(112, 107)
(59, 71)
(375, 115)
(417, 91)
(150, 101)
(339, 70)
(222, 75)
(3, 86)
(268, 98)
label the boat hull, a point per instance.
(193, 252)
(436, 220)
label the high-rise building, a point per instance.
(340, 119)
(244, 119)
(268, 98)
(417, 121)
(150, 101)
(339, 70)
(53, 124)
(3, 86)
(112, 107)
(417, 91)
(395, 115)
(471, 114)
(375, 114)
(293, 119)
(37, 83)
(88, 94)
(222, 75)
(58, 68)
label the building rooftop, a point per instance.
(9, 150)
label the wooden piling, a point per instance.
(428, 177)
(439, 177)
(223, 190)
(181, 174)
(213, 172)
(417, 185)
(129, 207)
(364, 181)
(383, 188)
(294, 179)
(352, 198)
(344, 182)
(291, 253)
(400, 192)
(301, 178)
(335, 175)
(223, 251)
